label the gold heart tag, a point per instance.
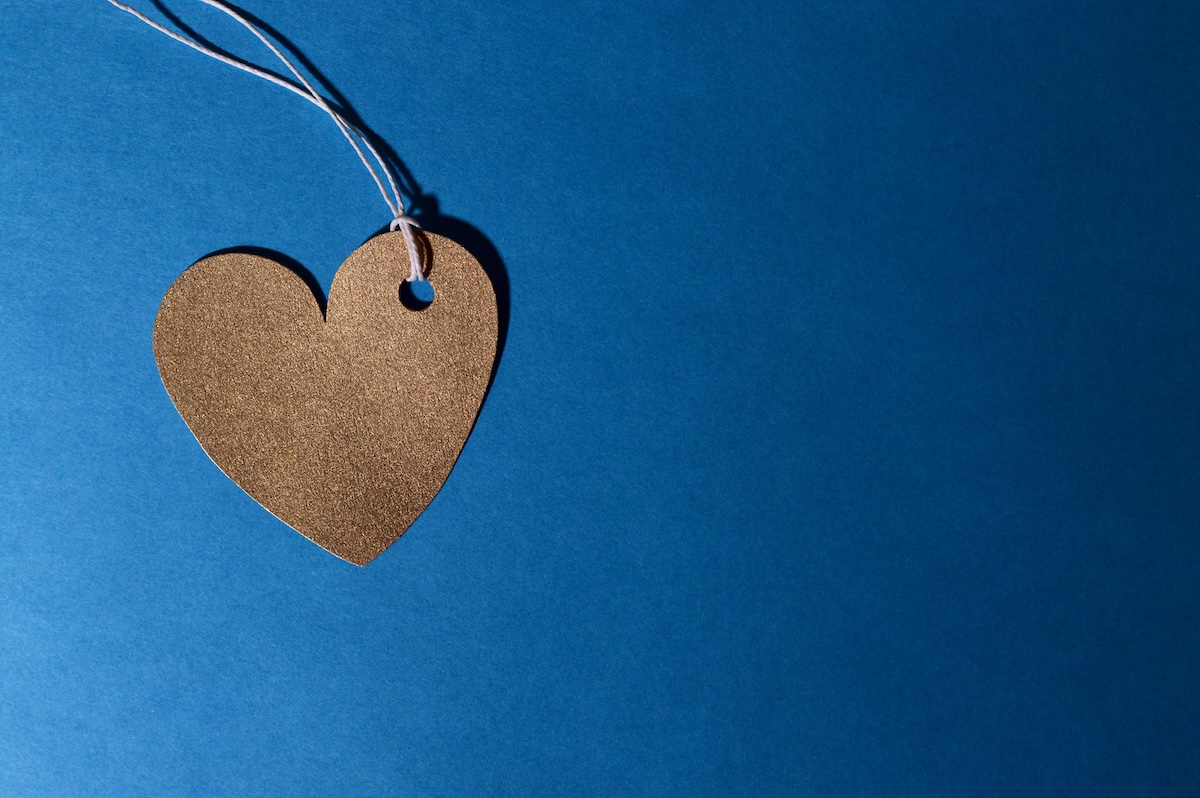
(343, 426)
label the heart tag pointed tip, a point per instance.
(343, 426)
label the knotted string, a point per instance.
(395, 201)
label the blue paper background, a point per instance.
(844, 443)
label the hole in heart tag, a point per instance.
(416, 296)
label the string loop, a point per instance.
(303, 87)
(405, 224)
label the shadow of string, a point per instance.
(417, 201)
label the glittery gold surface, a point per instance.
(343, 427)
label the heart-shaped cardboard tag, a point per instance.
(343, 426)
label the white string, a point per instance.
(395, 201)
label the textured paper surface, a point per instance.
(344, 427)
